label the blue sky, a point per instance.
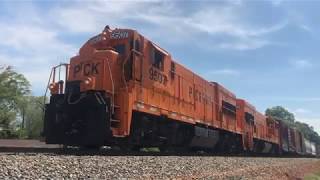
(264, 51)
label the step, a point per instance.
(114, 120)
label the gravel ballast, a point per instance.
(43, 166)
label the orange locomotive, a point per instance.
(122, 89)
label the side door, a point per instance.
(137, 54)
(249, 120)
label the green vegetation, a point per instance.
(33, 114)
(313, 176)
(281, 113)
(150, 149)
(288, 117)
(20, 113)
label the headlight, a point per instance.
(88, 81)
(51, 86)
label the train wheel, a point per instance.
(128, 148)
(91, 147)
(175, 150)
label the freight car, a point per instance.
(310, 148)
(123, 89)
(292, 142)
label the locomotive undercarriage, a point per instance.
(263, 147)
(170, 135)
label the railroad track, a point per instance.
(35, 146)
(116, 152)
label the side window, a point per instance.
(249, 117)
(120, 48)
(157, 59)
(172, 70)
(190, 91)
(228, 108)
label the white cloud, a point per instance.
(302, 111)
(90, 17)
(32, 39)
(314, 122)
(223, 72)
(32, 46)
(244, 44)
(301, 64)
(306, 27)
(168, 21)
(227, 21)
(309, 117)
(277, 2)
(76, 20)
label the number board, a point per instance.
(119, 35)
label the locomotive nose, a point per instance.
(81, 115)
(96, 71)
(80, 119)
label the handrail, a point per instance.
(111, 77)
(52, 76)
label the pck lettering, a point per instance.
(87, 69)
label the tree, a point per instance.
(7, 115)
(34, 116)
(13, 88)
(12, 85)
(280, 112)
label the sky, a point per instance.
(264, 51)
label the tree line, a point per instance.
(21, 114)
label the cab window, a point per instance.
(157, 58)
(120, 48)
(137, 45)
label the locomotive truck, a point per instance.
(123, 89)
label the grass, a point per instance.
(151, 149)
(313, 176)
